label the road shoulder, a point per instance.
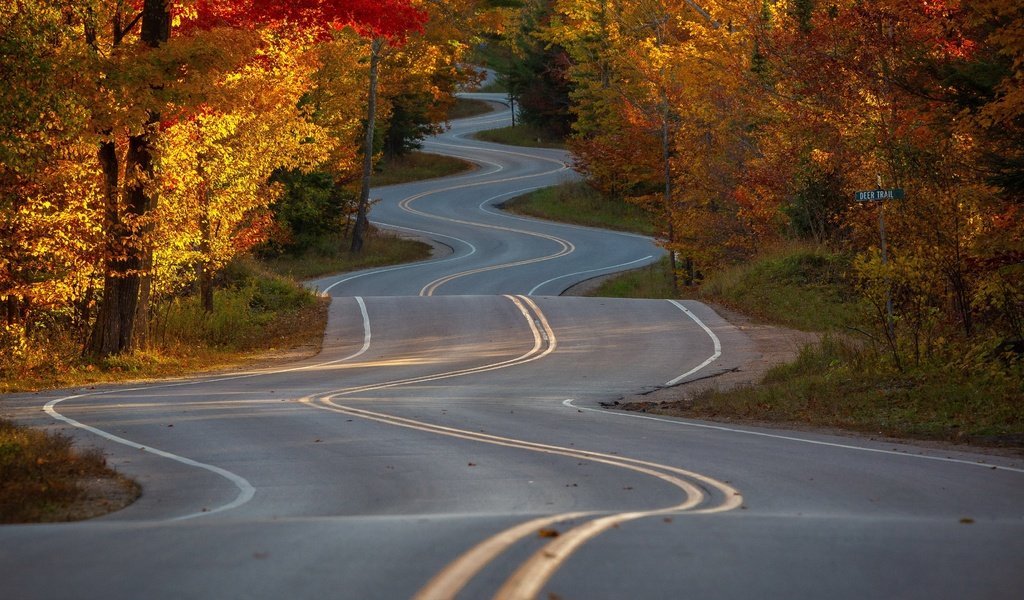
(772, 346)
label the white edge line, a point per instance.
(718, 352)
(569, 403)
(714, 338)
(246, 491)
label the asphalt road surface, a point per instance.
(449, 442)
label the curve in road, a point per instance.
(448, 443)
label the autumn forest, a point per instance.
(146, 145)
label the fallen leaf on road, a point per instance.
(547, 533)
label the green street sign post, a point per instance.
(879, 195)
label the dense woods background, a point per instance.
(743, 124)
(145, 145)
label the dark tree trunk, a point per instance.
(111, 334)
(205, 273)
(362, 222)
(122, 321)
(668, 191)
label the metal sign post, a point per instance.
(879, 195)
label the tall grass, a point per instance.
(243, 317)
(802, 286)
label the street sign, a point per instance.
(875, 195)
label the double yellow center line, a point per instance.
(528, 579)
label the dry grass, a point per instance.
(42, 478)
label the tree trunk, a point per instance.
(122, 321)
(362, 223)
(112, 333)
(667, 194)
(205, 273)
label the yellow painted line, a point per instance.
(450, 581)
(533, 354)
(567, 248)
(454, 577)
(531, 577)
(528, 580)
(534, 573)
(430, 288)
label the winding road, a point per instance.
(449, 442)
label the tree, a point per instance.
(216, 166)
(124, 308)
(48, 200)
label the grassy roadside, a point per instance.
(521, 135)
(846, 381)
(417, 166)
(652, 281)
(465, 108)
(577, 203)
(840, 383)
(331, 255)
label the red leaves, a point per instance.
(392, 19)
